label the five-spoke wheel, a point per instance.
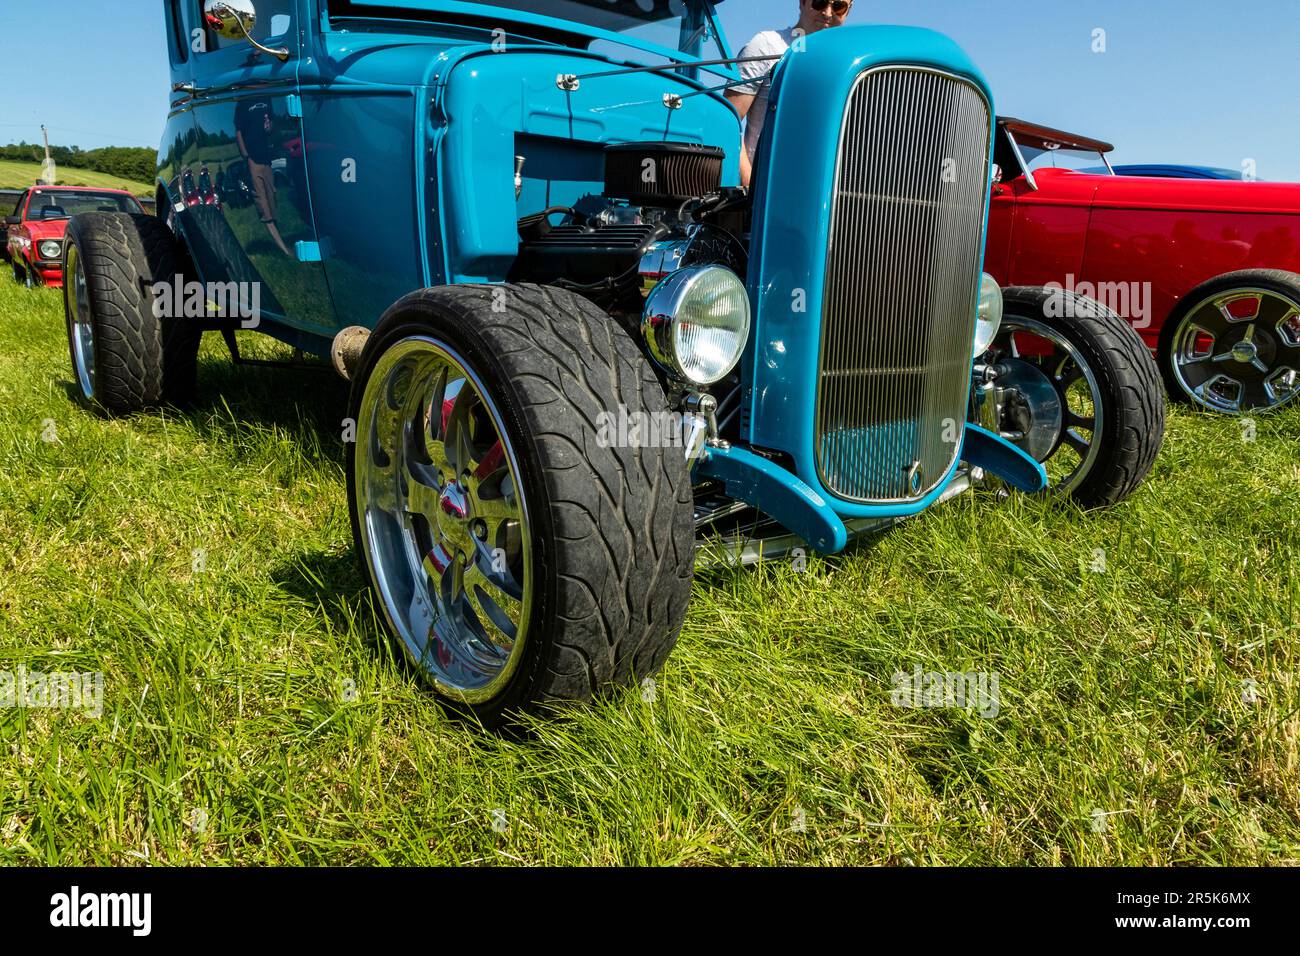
(1234, 344)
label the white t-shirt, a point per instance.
(759, 75)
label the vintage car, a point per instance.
(34, 230)
(576, 346)
(1204, 270)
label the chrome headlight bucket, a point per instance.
(988, 319)
(696, 323)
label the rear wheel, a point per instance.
(1233, 344)
(124, 356)
(519, 559)
(1081, 393)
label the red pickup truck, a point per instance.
(34, 230)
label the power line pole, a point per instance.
(48, 172)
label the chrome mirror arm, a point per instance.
(223, 16)
(281, 54)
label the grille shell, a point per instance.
(907, 223)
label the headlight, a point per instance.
(50, 249)
(988, 319)
(696, 323)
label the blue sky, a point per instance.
(1198, 81)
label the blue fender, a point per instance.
(998, 456)
(776, 492)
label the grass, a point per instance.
(231, 734)
(16, 175)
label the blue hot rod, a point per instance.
(577, 347)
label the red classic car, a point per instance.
(1204, 270)
(34, 230)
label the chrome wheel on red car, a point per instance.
(1234, 345)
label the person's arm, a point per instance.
(742, 102)
(239, 139)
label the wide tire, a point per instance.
(610, 528)
(1271, 347)
(1128, 389)
(131, 360)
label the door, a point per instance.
(12, 231)
(244, 180)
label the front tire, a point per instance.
(521, 558)
(1232, 344)
(1086, 399)
(125, 358)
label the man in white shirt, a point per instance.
(750, 99)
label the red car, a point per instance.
(34, 230)
(1204, 270)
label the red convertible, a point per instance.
(34, 231)
(1204, 270)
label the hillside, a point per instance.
(15, 175)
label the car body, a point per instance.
(517, 228)
(1149, 244)
(36, 225)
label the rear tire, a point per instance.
(1238, 364)
(125, 358)
(1123, 411)
(488, 401)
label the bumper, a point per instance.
(47, 272)
(789, 500)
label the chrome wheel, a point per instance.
(1239, 351)
(81, 327)
(1052, 404)
(443, 518)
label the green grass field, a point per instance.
(254, 714)
(14, 175)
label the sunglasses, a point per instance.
(838, 7)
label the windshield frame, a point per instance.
(458, 11)
(41, 192)
(1018, 149)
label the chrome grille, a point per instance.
(902, 283)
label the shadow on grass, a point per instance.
(333, 582)
(306, 404)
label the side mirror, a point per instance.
(997, 174)
(234, 20)
(13, 220)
